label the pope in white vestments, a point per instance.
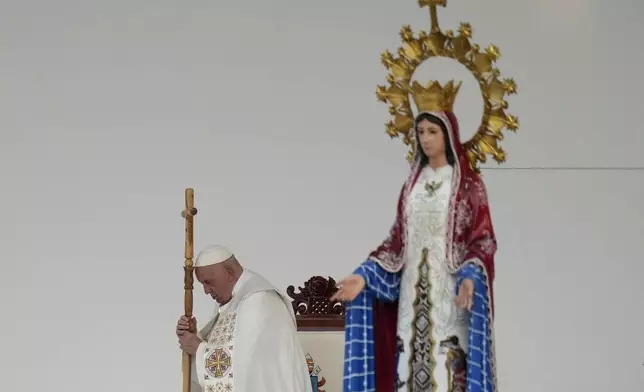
(251, 343)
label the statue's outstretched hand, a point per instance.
(350, 287)
(465, 294)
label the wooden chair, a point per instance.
(320, 325)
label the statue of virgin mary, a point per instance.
(420, 309)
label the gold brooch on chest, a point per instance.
(432, 187)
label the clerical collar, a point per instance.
(240, 282)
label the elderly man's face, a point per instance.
(217, 280)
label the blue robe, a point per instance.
(359, 363)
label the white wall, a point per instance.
(108, 110)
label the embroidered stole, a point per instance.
(218, 358)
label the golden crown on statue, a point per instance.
(434, 97)
(418, 48)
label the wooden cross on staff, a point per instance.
(188, 214)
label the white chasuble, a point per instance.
(429, 322)
(252, 344)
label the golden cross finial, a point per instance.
(432, 10)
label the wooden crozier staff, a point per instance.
(188, 214)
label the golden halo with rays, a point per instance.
(423, 46)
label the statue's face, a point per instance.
(217, 281)
(431, 139)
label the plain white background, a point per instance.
(109, 109)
